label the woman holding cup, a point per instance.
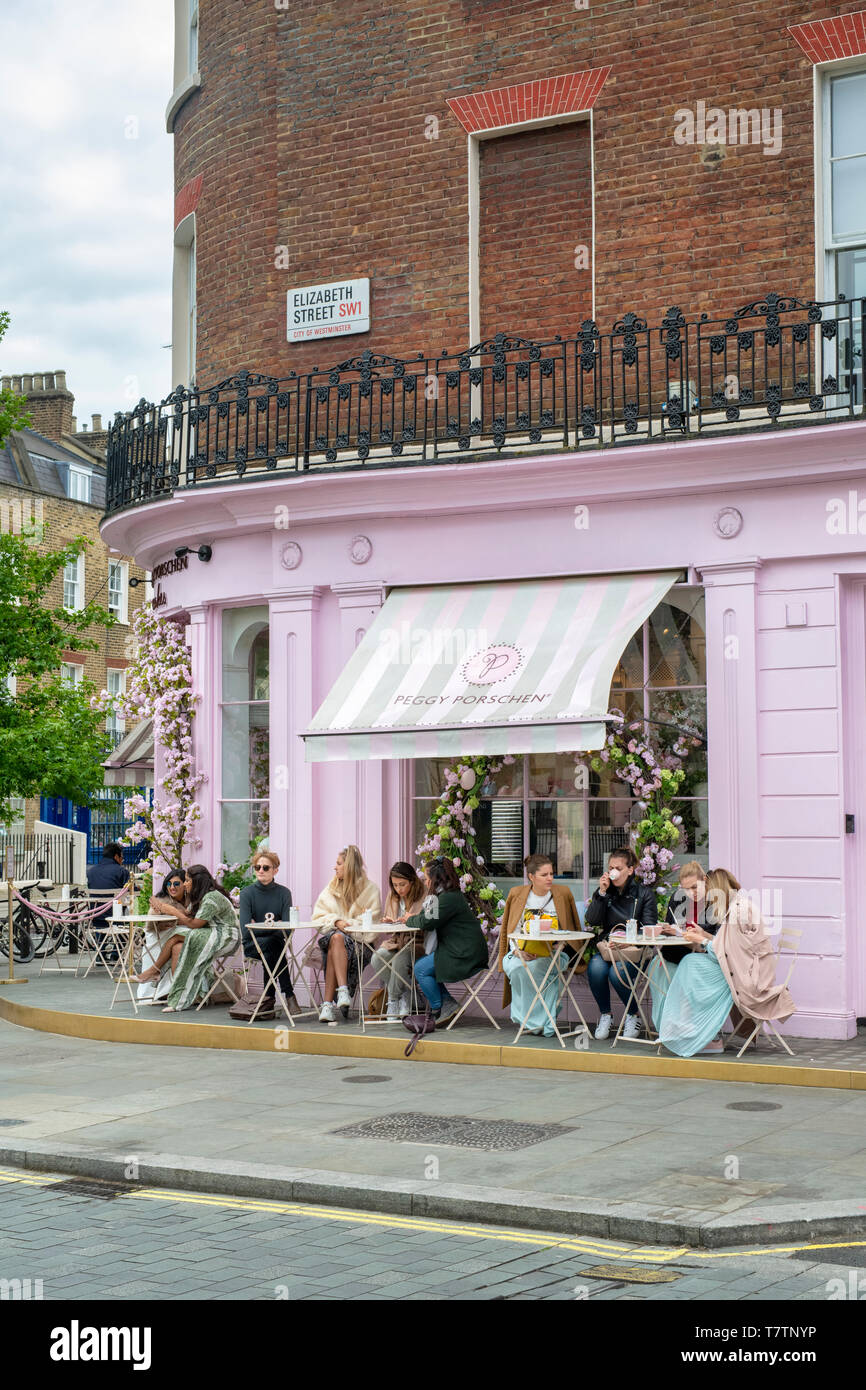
(618, 899)
(528, 906)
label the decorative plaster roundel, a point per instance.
(728, 523)
(291, 555)
(360, 550)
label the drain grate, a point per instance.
(92, 1187)
(365, 1080)
(458, 1130)
(7, 1124)
(753, 1105)
(631, 1274)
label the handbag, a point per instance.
(376, 1005)
(617, 952)
(418, 1025)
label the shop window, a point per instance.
(245, 724)
(541, 804)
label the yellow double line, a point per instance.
(641, 1254)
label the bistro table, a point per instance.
(287, 955)
(557, 940)
(124, 930)
(640, 984)
(390, 929)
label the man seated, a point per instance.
(108, 875)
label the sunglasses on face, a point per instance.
(176, 883)
(263, 868)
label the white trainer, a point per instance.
(329, 1012)
(603, 1027)
(393, 1015)
(344, 998)
(404, 1007)
(631, 1027)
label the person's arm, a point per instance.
(324, 915)
(647, 907)
(245, 907)
(596, 912)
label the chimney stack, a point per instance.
(97, 423)
(49, 402)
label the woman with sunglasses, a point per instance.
(257, 901)
(206, 931)
(169, 901)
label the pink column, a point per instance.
(359, 605)
(202, 635)
(732, 717)
(294, 623)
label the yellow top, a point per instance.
(537, 948)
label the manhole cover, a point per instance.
(92, 1187)
(7, 1124)
(753, 1105)
(631, 1274)
(365, 1080)
(458, 1130)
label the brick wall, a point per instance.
(535, 201)
(310, 130)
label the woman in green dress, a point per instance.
(209, 930)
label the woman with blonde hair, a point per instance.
(735, 968)
(340, 907)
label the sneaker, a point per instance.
(393, 1015)
(603, 1027)
(713, 1048)
(404, 1007)
(344, 998)
(329, 1012)
(448, 1010)
(631, 1028)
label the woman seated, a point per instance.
(170, 901)
(687, 908)
(736, 967)
(340, 907)
(618, 897)
(542, 898)
(258, 900)
(393, 958)
(208, 930)
(458, 950)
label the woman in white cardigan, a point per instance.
(339, 906)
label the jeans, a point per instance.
(601, 976)
(271, 944)
(433, 992)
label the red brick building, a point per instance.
(516, 165)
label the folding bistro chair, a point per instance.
(221, 972)
(789, 940)
(96, 940)
(473, 990)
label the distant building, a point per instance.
(52, 487)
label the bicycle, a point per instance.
(28, 931)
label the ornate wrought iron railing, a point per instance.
(779, 361)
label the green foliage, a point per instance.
(13, 408)
(52, 743)
(145, 893)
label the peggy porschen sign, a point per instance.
(328, 311)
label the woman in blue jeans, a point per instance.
(460, 950)
(619, 896)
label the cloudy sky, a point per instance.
(86, 221)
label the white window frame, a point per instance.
(115, 723)
(192, 38)
(80, 481)
(121, 612)
(78, 603)
(826, 247)
(184, 301)
(187, 78)
(72, 673)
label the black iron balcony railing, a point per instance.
(779, 361)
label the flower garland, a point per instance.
(655, 775)
(159, 687)
(450, 832)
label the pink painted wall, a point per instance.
(787, 731)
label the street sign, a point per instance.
(328, 311)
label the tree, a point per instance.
(51, 741)
(13, 408)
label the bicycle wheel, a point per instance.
(47, 937)
(22, 943)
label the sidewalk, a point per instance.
(630, 1157)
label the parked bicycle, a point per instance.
(28, 929)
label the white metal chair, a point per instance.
(221, 972)
(473, 986)
(789, 941)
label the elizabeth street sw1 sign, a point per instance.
(328, 311)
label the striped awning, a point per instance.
(131, 762)
(517, 667)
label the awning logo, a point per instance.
(495, 663)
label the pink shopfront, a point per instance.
(512, 604)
